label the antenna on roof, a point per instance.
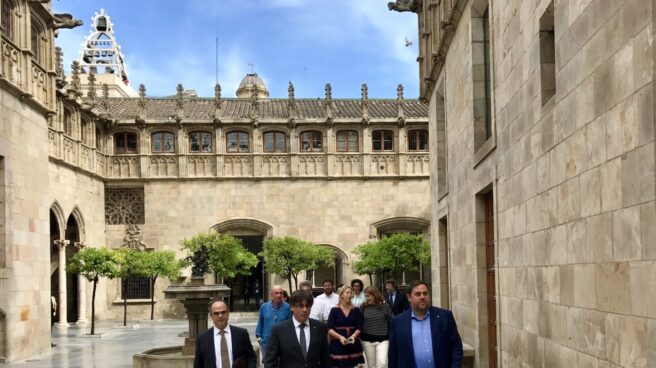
(217, 58)
(252, 67)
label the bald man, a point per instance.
(271, 313)
(223, 346)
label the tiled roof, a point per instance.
(203, 108)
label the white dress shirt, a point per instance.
(322, 306)
(217, 345)
(298, 332)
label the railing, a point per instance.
(417, 164)
(384, 165)
(86, 158)
(312, 165)
(348, 165)
(39, 83)
(70, 150)
(201, 166)
(11, 62)
(274, 165)
(163, 166)
(100, 164)
(53, 143)
(125, 166)
(238, 165)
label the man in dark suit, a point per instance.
(424, 336)
(398, 301)
(228, 345)
(298, 342)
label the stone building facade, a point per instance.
(542, 177)
(85, 163)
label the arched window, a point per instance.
(311, 141)
(347, 141)
(84, 131)
(200, 142)
(275, 142)
(418, 140)
(36, 34)
(98, 138)
(237, 142)
(6, 19)
(68, 122)
(125, 143)
(382, 140)
(163, 142)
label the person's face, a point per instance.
(219, 315)
(276, 295)
(368, 298)
(357, 288)
(346, 295)
(328, 288)
(301, 311)
(389, 287)
(420, 298)
(306, 288)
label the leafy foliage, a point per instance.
(226, 257)
(392, 255)
(288, 256)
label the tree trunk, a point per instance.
(125, 303)
(295, 283)
(289, 278)
(93, 306)
(371, 280)
(152, 298)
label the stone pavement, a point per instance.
(116, 346)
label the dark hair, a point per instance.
(305, 283)
(285, 295)
(328, 280)
(416, 283)
(300, 296)
(391, 281)
(373, 291)
(357, 281)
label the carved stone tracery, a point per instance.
(124, 206)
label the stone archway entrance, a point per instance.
(56, 230)
(72, 284)
(333, 271)
(252, 234)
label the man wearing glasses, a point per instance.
(223, 346)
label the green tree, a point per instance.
(159, 264)
(288, 256)
(226, 256)
(128, 262)
(92, 264)
(392, 255)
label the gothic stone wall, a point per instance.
(335, 212)
(574, 187)
(24, 243)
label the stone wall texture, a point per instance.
(573, 182)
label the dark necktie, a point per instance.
(225, 358)
(302, 339)
(392, 298)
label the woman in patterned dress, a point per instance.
(344, 327)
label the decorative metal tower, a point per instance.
(100, 52)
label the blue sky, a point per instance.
(308, 42)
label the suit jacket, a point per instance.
(447, 346)
(242, 349)
(284, 350)
(401, 303)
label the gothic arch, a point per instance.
(251, 224)
(339, 252)
(404, 223)
(57, 210)
(79, 219)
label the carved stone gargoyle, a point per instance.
(405, 6)
(65, 20)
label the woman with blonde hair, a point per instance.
(344, 326)
(375, 339)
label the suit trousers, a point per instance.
(376, 353)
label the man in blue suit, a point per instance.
(424, 336)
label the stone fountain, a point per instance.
(195, 296)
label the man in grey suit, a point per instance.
(298, 342)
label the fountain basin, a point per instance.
(168, 357)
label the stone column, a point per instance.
(81, 293)
(61, 303)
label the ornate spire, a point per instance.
(290, 91)
(328, 103)
(364, 103)
(141, 118)
(291, 105)
(59, 62)
(254, 111)
(217, 103)
(400, 104)
(91, 93)
(100, 51)
(179, 102)
(105, 97)
(75, 78)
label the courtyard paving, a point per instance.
(117, 345)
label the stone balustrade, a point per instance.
(11, 62)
